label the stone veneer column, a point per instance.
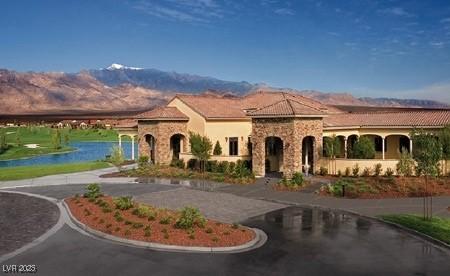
(258, 155)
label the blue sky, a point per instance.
(369, 48)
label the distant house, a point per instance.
(278, 131)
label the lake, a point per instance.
(85, 151)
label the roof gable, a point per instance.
(163, 113)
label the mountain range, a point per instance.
(119, 88)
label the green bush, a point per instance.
(364, 148)
(193, 164)
(323, 171)
(377, 169)
(230, 168)
(211, 166)
(367, 172)
(347, 171)
(240, 170)
(93, 191)
(297, 178)
(389, 172)
(177, 163)
(217, 149)
(165, 220)
(142, 211)
(189, 217)
(355, 170)
(124, 202)
(222, 166)
(405, 165)
(143, 161)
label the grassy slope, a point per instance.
(24, 172)
(43, 137)
(438, 228)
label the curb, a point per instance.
(259, 240)
(411, 232)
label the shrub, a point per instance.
(192, 164)
(235, 225)
(124, 202)
(106, 210)
(209, 230)
(215, 239)
(117, 229)
(364, 148)
(367, 172)
(128, 222)
(389, 172)
(323, 171)
(137, 225)
(143, 161)
(347, 171)
(177, 163)
(127, 232)
(222, 166)
(240, 170)
(217, 149)
(297, 178)
(142, 211)
(117, 157)
(151, 215)
(355, 170)
(165, 220)
(377, 169)
(230, 168)
(211, 166)
(339, 173)
(147, 233)
(93, 191)
(189, 217)
(405, 164)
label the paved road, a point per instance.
(301, 242)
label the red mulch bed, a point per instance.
(222, 235)
(394, 187)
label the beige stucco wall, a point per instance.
(220, 130)
(196, 122)
(187, 156)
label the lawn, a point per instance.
(24, 172)
(438, 228)
(17, 137)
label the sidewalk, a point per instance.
(85, 177)
(369, 207)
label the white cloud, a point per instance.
(284, 11)
(437, 44)
(192, 11)
(445, 20)
(397, 11)
(437, 92)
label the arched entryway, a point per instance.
(177, 142)
(308, 154)
(351, 140)
(151, 142)
(274, 154)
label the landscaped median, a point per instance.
(437, 228)
(121, 219)
(25, 172)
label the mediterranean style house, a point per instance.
(278, 131)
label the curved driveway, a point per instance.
(301, 241)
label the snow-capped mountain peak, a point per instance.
(116, 66)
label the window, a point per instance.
(403, 144)
(233, 145)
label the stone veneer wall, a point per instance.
(161, 131)
(291, 131)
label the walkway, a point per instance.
(262, 189)
(85, 177)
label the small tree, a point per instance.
(66, 139)
(444, 138)
(405, 165)
(56, 139)
(3, 144)
(217, 149)
(427, 152)
(364, 148)
(201, 148)
(117, 157)
(332, 147)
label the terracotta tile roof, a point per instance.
(218, 107)
(290, 105)
(126, 124)
(162, 113)
(408, 119)
(214, 106)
